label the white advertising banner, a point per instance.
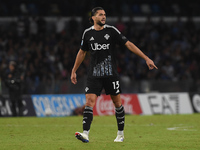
(165, 103)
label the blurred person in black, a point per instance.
(13, 80)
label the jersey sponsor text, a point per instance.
(97, 46)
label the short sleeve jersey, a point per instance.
(102, 47)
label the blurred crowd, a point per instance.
(113, 7)
(45, 52)
(44, 56)
(174, 47)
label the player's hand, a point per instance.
(151, 64)
(73, 78)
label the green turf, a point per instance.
(158, 132)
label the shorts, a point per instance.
(96, 85)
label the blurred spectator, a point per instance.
(33, 30)
(21, 27)
(73, 26)
(23, 8)
(120, 26)
(60, 26)
(145, 8)
(13, 80)
(41, 24)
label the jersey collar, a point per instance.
(103, 26)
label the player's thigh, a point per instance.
(94, 86)
(112, 86)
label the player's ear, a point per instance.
(93, 17)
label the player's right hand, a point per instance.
(73, 78)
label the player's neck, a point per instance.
(98, 27)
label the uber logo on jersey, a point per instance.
(97, 46)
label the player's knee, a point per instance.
(117, 104)
(90, 101)
(116, 100)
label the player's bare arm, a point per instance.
(79, 59)
(138, 52)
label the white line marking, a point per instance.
(186, 128)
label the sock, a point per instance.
(87, 118)
(86, 132)
(120, 132)
(120, 116)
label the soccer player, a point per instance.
(100, 40)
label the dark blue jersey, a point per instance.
(102, 47)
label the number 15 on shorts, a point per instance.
(115, 85)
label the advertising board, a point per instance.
(57, 105)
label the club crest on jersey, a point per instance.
(86, 89)
(106, 36)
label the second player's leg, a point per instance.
(120, 116)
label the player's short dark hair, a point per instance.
(93, 13)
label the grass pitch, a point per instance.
(158, 132)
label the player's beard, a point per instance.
(100, 24)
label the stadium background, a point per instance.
(43, 37)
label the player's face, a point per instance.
(100, 17)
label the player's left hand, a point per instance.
(73, 78)
(151, 64)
